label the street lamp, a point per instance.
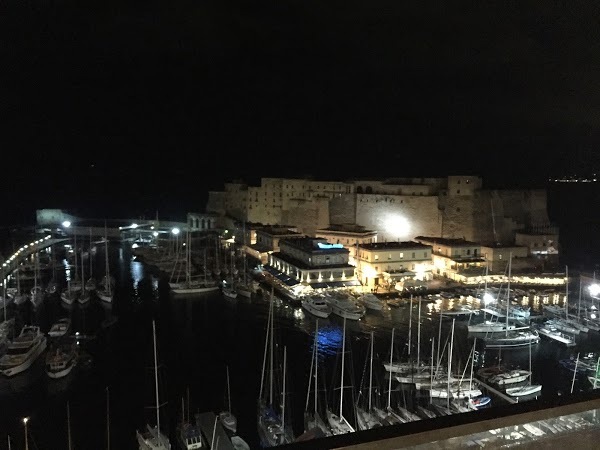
(66, 224)
(25, 420)
(175, 232)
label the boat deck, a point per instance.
(222, 441)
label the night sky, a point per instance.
(125, 108)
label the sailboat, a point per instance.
(105, 291)
(196, 285)
(189, 435)
(245, 287)
(37, 292)
(272, 427)
(227, 418)
(366, 417)
(511, 338)
(314, 425)
(528, 389)
(90, 283)
(84, 297)
(229, 287)
(337, 422)
(152, 438)
(389, 415)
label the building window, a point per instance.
(458, 191)
(457, 209)
(468, 251)
(389, 256)
(376, 257)
(425, 255)
(413, 255)
(401, 255)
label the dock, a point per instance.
(208, 422)
(495, 391)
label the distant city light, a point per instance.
(134, 225)
(66, 224)
(175, 231)
(594, 289)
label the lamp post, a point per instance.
(25, 420)
(175, 232)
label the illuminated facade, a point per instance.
(452, 256)
(389, 263)
(313, 262)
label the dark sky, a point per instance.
(124, 104)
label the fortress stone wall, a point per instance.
(398, 217)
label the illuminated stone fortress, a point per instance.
(398, 209)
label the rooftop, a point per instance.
(392, 245)
(450, 242)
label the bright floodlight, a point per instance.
(25, 420)
(175, 231)
(594, 289)
(487, 298)
(66, 224)
(134, 225)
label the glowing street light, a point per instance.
(175, 231)
(134, 225)
(487, 298)
(594, 289)
(66, 224)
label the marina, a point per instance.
(142, 290)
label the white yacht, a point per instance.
(316, 305)
(344, 306)
(23, 350)
(371, 301)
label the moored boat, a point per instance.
(342, 305)
(61, 360)
(23, 350)
(60, 328)
(316, 305)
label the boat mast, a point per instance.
(390, 374)
(431, 374)
(371, 372)
(262, 378)
(450, 359)
(107, 420)
(69, 426)
(156, 379)
(228, 392)
(418, 336)
(271, 355)
(342, 375)
(107, 285)
(508, 292)
(472, 364)
(283, 393)
(596, 374)
(410, 328)
(574, 373)
(316, 348)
